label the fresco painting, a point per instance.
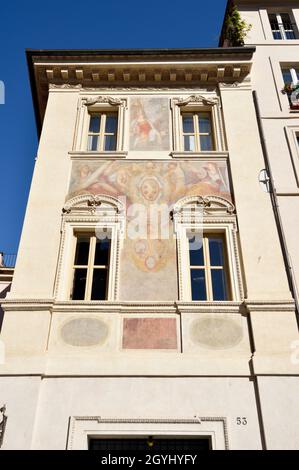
(149, 124)
(149, 184)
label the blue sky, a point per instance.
(76, 25)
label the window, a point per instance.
(197, 125)
(281, 25)
(91, 268)
(290, 75)
(207, 247)
(102, 133)
(197, 132)
(208, 267)
(291, 81)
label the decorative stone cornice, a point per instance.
(64, 86)
(197, 99)
(207, 205)
(89, 203)
(169, 307)
(272, 306)
(86, 70)
(104, 99)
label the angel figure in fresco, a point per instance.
(107, 178)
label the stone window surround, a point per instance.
(97, 104)
(85, 214)
(197, 103)
(219, 220)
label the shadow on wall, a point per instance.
(2, 296)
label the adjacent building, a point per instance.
(150, 300)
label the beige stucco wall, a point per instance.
(145, 398)
(38, 251)
(280, 411)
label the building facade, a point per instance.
(150, 297)
(275, 34)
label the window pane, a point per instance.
(275, 27)
(189, 143)
(219, 284)
(92, 142)
(111, 124)
(287, 77)
(205, 142)
(290, 34)
(82, 251)
(198, 284)
(110, 142)
(196, 250)
(79, 284)
(286, 21)
(204, 123)
(273, 21)
(94, 125)
(102, 252)
(99, 284)
(216, 251)
(188, 125)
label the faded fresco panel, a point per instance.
(149, 123)
(149, 333)
(148, 263)
(150, 182)
(148, 272)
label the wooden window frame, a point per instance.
(281, 28)
(207, 267)
(90, 267)
(102, 131)
(197, 134)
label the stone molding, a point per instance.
(52, 305)
(197, 420)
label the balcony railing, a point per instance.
(7, 260)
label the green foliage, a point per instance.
(236, 29)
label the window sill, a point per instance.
(201, 155)
(78, 155)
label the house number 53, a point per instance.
(241, 421)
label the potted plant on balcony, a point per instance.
(292, 91)
(235, 29)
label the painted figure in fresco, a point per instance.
(151, 183)
(150, 255)
(163, 182)
(147, 127)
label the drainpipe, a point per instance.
(276, 210)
